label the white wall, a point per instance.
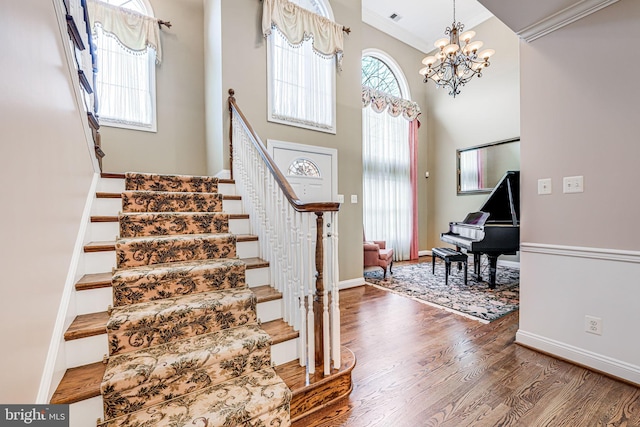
(46, 169)
(579, 113)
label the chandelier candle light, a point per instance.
(458, 60)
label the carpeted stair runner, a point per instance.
(259, 398)
(138, 251)
(146, 377)
(154, 224)
(184, 341)
(157, 322)
(147, 283)
(167, 201)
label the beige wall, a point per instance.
(46, 169)
(581, 252)
(246, 74)
(179, 144)
(487, 110)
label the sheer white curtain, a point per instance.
(302, 84)
(387, 199)
(124, 83)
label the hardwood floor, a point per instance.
(421, 366)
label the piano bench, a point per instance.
(448, 256)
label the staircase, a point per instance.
(192, 328)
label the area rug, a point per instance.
(475, 300)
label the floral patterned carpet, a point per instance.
(475, 300)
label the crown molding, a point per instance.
(564, 17)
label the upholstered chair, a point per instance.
(376, 254)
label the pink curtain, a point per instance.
(413, 152)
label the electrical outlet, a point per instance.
(354, 198)
(340, 198)
(593, 325)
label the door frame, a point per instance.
(272, 144)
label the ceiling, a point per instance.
(421, 22)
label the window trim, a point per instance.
(326, 8)
(153, 127)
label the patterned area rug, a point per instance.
(475, 300)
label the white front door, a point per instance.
(311, 171)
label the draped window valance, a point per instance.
(298, 24)
(380, 101)
(134, 31)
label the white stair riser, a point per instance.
(101, 231)
(257, 277)
(110, 185)
(106, 207)
(86, 412)
(248, 249)
(284, 352)
(93, 300)
(269, 310)
(99, 262)
(232, 206)
(83, 351)
(227, 189)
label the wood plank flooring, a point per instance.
(421, 366)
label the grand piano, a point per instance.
(494, 230)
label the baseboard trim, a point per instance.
(512, 264)
(424, 253)
(50, 376)
(582, 252)
(593, 361)
(223, 174)
(351, 283)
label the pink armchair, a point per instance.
(376, 254)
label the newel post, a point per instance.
(317, 300)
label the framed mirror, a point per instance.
(481, 167)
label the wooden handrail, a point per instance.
(296, 203)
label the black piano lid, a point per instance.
(503, 204)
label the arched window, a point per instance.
(125, 80)
(301, 90)
(386, 159)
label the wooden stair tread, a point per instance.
(110, 245)
(109, 195)
(87, 325)
(266, 293)
(79, 384)
(94, 281)
(280, 331)
(103, 280)
(114, 218)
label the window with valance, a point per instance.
(304, 47)
(127, 40)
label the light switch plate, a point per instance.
(544, 186)
(573, 184)
(340, 198)
(354, 198)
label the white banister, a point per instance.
(300, 242)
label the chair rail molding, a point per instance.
(582, 252)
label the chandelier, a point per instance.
(458, 60)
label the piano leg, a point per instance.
(477, 259)
(493, 263)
